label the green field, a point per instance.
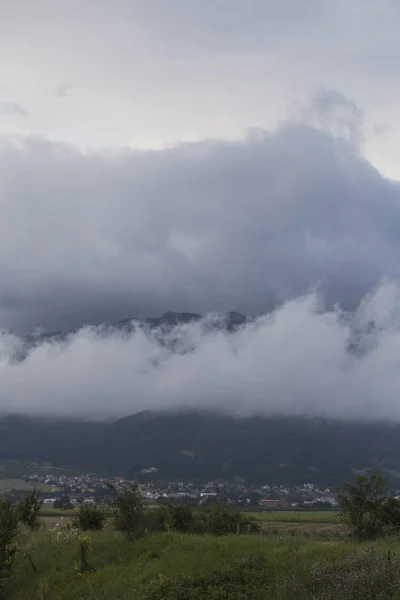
(315, 516)
(57, 512)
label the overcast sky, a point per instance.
(147, 74)
(195, 156)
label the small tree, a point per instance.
(90, 516)
(128, 513)
(9, 519)
(177, 517)
(365, 506)
(29, 509)
(220, 520)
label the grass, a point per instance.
(57, 512)
(168, 566)
(293, 558)
(315, 516)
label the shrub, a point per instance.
(129, 517)
(29, 509)
(367, 509)
(222, 520)
(179, 518)
(9, 519)
(90, 516)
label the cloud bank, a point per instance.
(250, 225)
(87, 237)
(297, 360)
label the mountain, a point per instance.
(204, 445)
(164, 329)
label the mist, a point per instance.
(297, 360)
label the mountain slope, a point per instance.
(190, 445)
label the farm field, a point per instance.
(315, 516)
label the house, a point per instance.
(269, 503)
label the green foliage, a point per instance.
(9, 519)
(29, 510)
(367, 509)
(218, 519)
(365, 575)
(129, 514)
(90, 517)
(215, 519)
(84, 549)
(168, 566)
(178, 518)
(243, 578)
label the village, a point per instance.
(62, 491)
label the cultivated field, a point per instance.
(315, 516)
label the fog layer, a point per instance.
(298, 360)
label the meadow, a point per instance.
(311, 560)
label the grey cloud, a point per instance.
(64, 90)
(213, 225)
(12, 109)
(330, 109)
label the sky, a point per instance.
(194, 156)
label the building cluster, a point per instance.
(59, 490)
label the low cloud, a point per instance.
(298, 360)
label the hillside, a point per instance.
(194, 445)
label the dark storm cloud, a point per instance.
(93, 236)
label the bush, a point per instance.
(223, 520)
(90, 516)
(9, 519)
(29, 509)
(179, 518)
(129, 517)
(367, 509)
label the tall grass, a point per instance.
(170, 566)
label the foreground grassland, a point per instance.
(298, 560)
